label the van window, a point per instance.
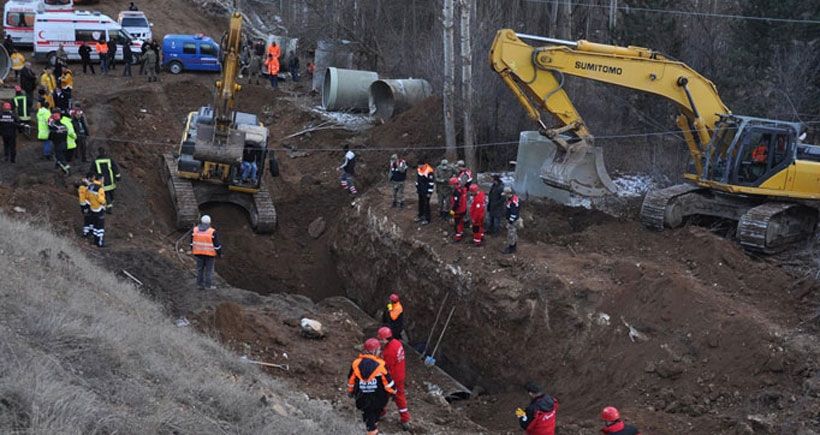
(122, 37)
(189, 48)
(87, 35)
(207, 50)
(20, 19)
(57, 2)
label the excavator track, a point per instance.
(657, 205)
(773, 226)
(182, 194)
(263, 215)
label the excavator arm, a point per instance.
(535, 76)
(226, 86)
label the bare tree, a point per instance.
(467, 7)
(565, 19)
(449, 79)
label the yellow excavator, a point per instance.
(754, 171)
(216, 140)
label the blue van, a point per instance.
(190, 53)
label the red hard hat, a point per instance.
(454, 181)
(610, 414)
(474, 188)
(394, 298)
(372, 345)
(6, 106)
(384, 333)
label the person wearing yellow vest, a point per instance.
(95, 196)
(110, 172)
(47, 81)
(205, 247)
(18, 61)
(393, 316)
(71, 139)
(82, 189)
(43, 115)
(67, 82)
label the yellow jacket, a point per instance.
(95, 196)
(48, 82)
(17, 61)
(82, 190)
(67, 79)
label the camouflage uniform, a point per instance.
(444, 172)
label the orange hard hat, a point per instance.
(372, 345)
(394, 298)
(474, 188)
(384, 333)
(610, 414)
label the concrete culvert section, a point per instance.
(347, 89)
(390, 97)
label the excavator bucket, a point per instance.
(577, 167)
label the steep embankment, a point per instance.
(676, 328)
(83, 352)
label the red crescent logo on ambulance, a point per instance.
(40, 34)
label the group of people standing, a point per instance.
(148, 58)
(256, 56)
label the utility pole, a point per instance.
(449, 80)
(467, 6)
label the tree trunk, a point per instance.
(565, 20)
(467, 7)
(449, 80)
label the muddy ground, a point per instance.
(722, 342)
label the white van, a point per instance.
(136, 24)
(18, 17)
(53, 29)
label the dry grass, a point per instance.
(83, 352)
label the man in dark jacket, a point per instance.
(61, 100)
(106, 166)
(539, 416)
(127, 59)
(370, 384)
(112, 54)
(81, 128)
(58, 135)
(28, 82)
(495, 208)
(8, 130)
(85, 57)
(425, 184)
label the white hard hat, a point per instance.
(205, 219)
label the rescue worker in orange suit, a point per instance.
(370, 384)
(425, 184)
(95, 196)
(205, 247)
(272, 64)
(393, 316)
(393, 353)
(458, 208)
(614, 425)
(539, 416)
(478, 211)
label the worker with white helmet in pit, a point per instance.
(205, 247)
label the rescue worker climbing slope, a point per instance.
(105, 166)
(82, 189)
(95, 196)
(347, 170)
(614, 425)
(369, 383)
(539, 417)
(393, 316)
(478, 211)
(458, 208)
(393, 353)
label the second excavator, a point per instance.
(217, 143)
(755, 171)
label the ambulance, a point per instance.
(18, 17)
(71, 30)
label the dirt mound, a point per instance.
(420, 126)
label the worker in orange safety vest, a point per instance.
(205, 247)
(370, 384)
(272, 64)
(393, 316)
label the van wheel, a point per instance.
(175, 67)
(51, 57)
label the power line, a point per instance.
(691, 13)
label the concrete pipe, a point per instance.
(5, 63)
(391, 97)
(347, 89)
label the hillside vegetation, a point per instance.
(84, 352)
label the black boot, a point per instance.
(509, 249)
(393, 205)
